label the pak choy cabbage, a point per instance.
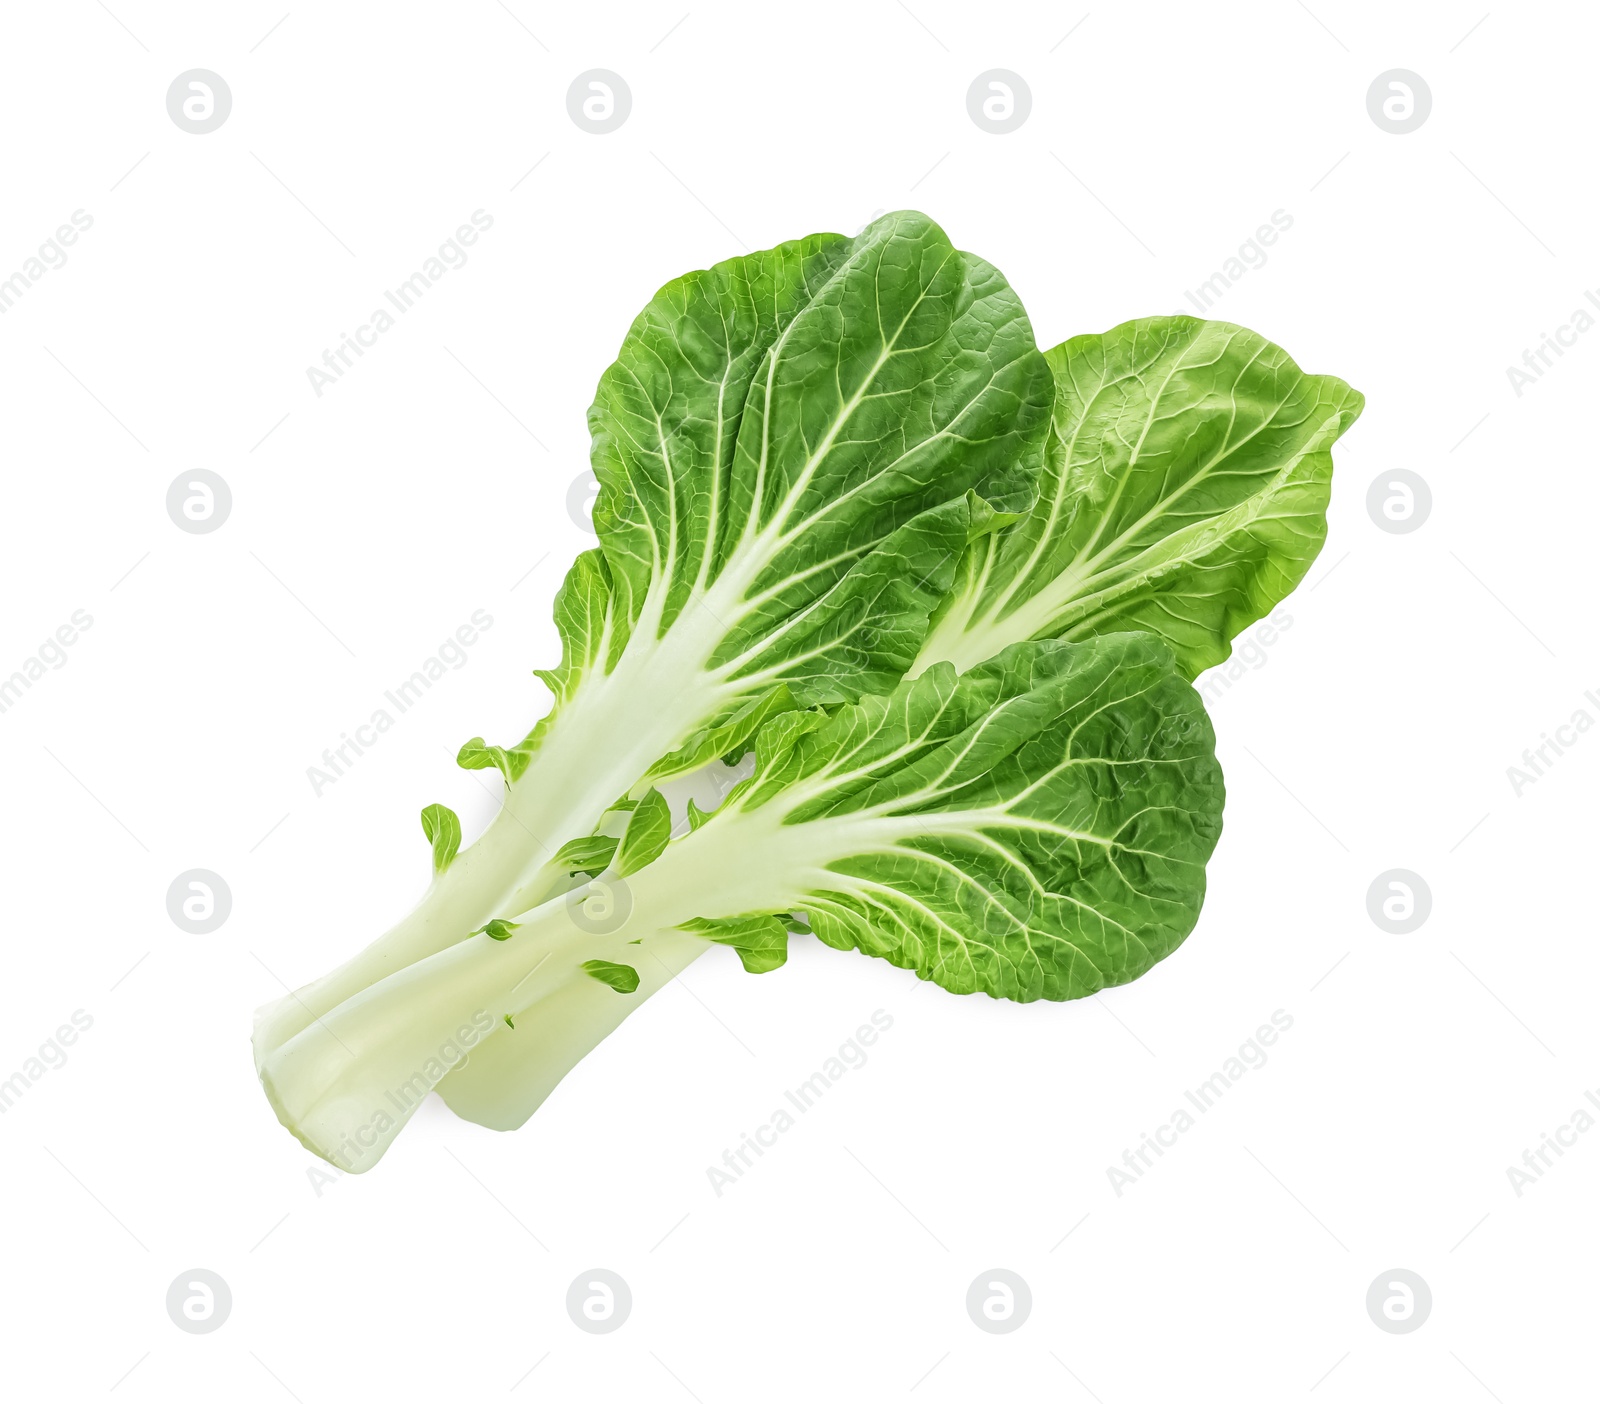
(946, 591)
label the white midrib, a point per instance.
(617, 725)
(1051, 609)
(749, 861)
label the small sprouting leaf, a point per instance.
(779, 735)
(584, 618)
(443, 831)
(698, 816)
(761, 941)
(624, 979)
(497, 930)
(985, 520)
(509, 1024)
(728, 738)
(649, 828)
(587, 855)
(477, 755)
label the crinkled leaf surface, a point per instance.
(792, 449)
(1185, 490)
(1036, 828)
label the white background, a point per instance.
(431, 481)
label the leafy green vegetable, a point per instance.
(624, 979)
(649, 828)
(762, 942)
(841, 526)
(496, 930)
(443, 831)
(1035, 829)
(476, 755)
(793, 449)
(1185, 485)
(587, 855)
(1187, 476)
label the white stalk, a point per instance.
(606, 736)
(348, 1082)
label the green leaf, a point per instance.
(725, 737)
(698, 816)
(1037, 828)
(624, 979)
(786, 442)
(776, 739)
(583, 617)
(496, 930)
(443, 831)
(1184, 493)
(793, 449)
(762, 942)
(477, 755)
(784, 447)
(587, 855)
(984, 520)
(649, 828)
